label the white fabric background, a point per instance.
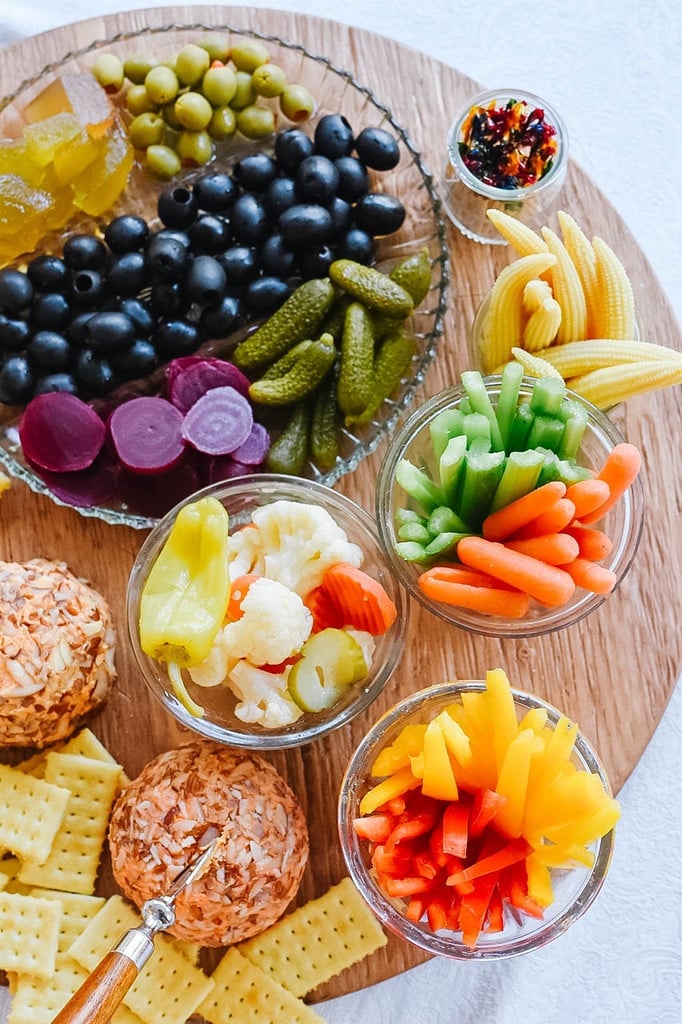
(613, 68)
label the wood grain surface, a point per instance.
(612, 672)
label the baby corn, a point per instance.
(521, 238)
(542, 326)
(533, 365)
(581, 252)
(568, 291)
(505, 320)
(613, 384)
(535, 293)
(578, 357)
(615, 312)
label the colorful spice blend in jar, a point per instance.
(507, 150)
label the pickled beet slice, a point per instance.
(190, 377)
(61, 433)
(84, 488)
(224, 467)
(219, 422)
(255, 448)
(147, 435)
(155, 497)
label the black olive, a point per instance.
(305, 224)
(379, 214)
(333, 136)
(126, 234)
(377, 148)
(177, 207)
(16, 290)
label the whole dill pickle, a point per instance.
(296, 319)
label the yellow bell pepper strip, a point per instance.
(186, 594)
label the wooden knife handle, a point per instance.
(98, 998)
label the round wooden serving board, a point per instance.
(613, 672)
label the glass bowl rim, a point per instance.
(492, 192)
(394, 408)
(551, 619)
(381, 905)
(272, 739)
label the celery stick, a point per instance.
(414, 531)
(546, 432)
(476, 427)
(446, 425)
(574, 429)
(520, 428)
(411, 551)
(445, 544)
(472, 382)
(548, 394)
(444, 520)
(550, 466)
(570, 472)
(408, 515)
(482, 474)
(418, 486)
(450, 467)
(465, 407)
(569, 407)
(520, 476)
(480, 445)
(512, 376)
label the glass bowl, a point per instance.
(335, 90)
(574, 889)
(466, 198)
(241, 496)
(623, 523)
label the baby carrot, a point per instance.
(361, 600)
(553, 520)
(591, 576)
(593, 544)
(238, 591)
(459, 574)
(506, 521)
(546, 583)
(510, 604)
(588, 495)
(619, 470)
(552, 548)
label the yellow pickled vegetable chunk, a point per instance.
(456, 740)
(14, 159)
(96, 190)
(439, 779)
(502, 713)
(72, 159)
(408, 743)
(394, 786)
(44, 138)
(513, 782)
(540, 886)
(79, 94)
(21, 206)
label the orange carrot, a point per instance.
(553, 520)
(593, 544)
(325, 613)
(619, 471)
(238, 591)
(552, 548)
(455, 573)
(506, 521)
(546, 583)
(591, 576)
(588, 495)
(362, 601)
(510, 604)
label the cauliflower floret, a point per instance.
(263, 696)
(300, 542)
(245, 552)
(214, 668)
(274, 625)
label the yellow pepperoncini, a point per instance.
(185, 596)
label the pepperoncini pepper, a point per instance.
(185, 596)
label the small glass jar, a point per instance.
(466, 198)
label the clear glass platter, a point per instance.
(335, 91)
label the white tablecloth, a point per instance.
(612, 68)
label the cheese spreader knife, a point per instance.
(98, 997)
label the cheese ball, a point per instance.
(187, 796)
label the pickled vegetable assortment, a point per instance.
(469, 813)
(510, 146)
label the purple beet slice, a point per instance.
(188, 383)
(224, 467)
(147, 435)
(255, 448)
(85, 488)
(155, 496)
(60, 433)
(219, 422)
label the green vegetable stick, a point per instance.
(444, 520)
(508, 400)
(447, 424)
(450, 467)
(415, 531)
(482, 474)
(408, 515)
(416, 483)
(445, 543)
(477, 427)
(520, 476)
(412, 551)
(520, 428)
(574, 429)
(546, 432)
(548, 394)
(472, 382)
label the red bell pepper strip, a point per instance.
(492, 863)
(424, 864)
(495, 919)
(437, 912)
(456, 829)
(406, 886)
(416, 908)
(395, 863)
(474, 908)
(518, 891)
(375, 828)
(484, 808)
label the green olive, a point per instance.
(223, 123)
(137, 68)
(161, 84)
(193, 111)
(219, 86)
(256, 122)
(216, 46)
(162, 162)
(269, 80)
(191, 63)
(195, 148)
(168, 114)
(245, 94)
(138, 101)
(108, 70)
(147, 130)
(296, 103)
(249, 55)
